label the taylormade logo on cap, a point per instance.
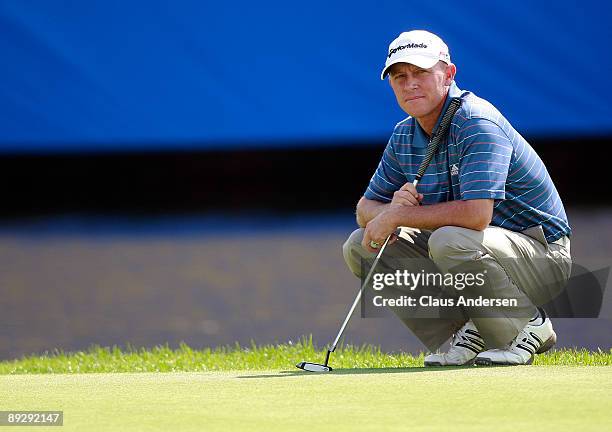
(418, 47)
(401, 47)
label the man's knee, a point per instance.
(452, 241)
(350, 251)
(352, 242)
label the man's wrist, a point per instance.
(395, 215)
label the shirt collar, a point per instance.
(422, 140)
(453, 93)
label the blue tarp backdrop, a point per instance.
(141, 75)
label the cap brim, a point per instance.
(424, 62)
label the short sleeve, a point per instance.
(388, 177)
(485, 158)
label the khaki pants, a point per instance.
(518, 265)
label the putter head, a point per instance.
(313, 367)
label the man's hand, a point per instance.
(377, 230)
(407, 195)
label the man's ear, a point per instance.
(451, 71)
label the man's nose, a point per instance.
(411, 84)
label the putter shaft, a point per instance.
(359, 294)
(441, 131)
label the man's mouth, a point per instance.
(411, 98)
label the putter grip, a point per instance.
(437, 137)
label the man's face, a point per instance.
(420, 92)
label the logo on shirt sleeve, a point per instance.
(454, 170)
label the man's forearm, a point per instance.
(368, 210)
(472, 214)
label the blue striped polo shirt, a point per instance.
(483, 156)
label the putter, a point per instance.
(431, 149)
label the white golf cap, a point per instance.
(418, 47)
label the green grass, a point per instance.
(258, 389)
(555, 398)
(263, 357)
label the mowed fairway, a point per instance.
(500, 398)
